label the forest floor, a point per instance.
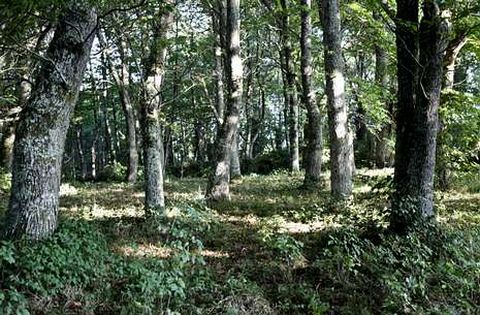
(272, 249)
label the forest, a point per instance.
(249, 157)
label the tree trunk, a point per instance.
(122, 81)
(218, 186)
(81, 155)
(109, 141)
(218, 22)
(290, 87)
(235, 170)
(341, 146)
(152, 129)
(8, 138)
(381, 78)
(43, 125)
(451, 55)
(313, 158)
(417, 118)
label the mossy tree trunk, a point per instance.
(341, 140)
(313, 158)
(218, 186)
(43, 125)
(419, 66)
(151, 124)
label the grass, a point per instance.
(273, 249)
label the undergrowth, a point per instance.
(274, 249)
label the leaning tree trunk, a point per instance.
(313, 161)
(152, 128)
(218, 186)
(341, 146)
(417, 112)
(43, 125)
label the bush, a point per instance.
(112, 173)
(75, 268)
(425, 272)
(267, 163)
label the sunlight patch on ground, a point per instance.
(379, 172)
(67, 189)
(145, 250)
(362, 189)
(214, 253)
(249, 219)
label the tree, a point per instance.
(218, 186)
(419, 70)
(381, 78)
(154, 68)
(122, 82)
(313, 161)
(341, 141)
(43, 125)
(290, 87)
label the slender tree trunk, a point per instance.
(152, 131)
(27, 67)
(109, 141)
(219, 69)
(43, 125)
(381, 78)
(6, 152)
(451, 55)
(218, 186)
(291, 89)
(122, 81)
(418, 101)
(81, 155)
(235, 170)
(313, 158)
(341, 146)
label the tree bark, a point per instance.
(341, 140)
(43, 125)
(313, 158)
(451, 55)
(235, 170)
(381, 78)
(218, 186)
(417, 117)
(290, 86)
(152, 128)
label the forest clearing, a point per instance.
(239, 157)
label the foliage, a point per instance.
(460, 117)
(416, 274)
(267, 163)
(268, 251)
(76, 269)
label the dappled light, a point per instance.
(239, 157)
